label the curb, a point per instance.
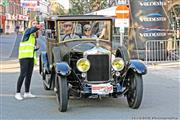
(8, 36)
(169, 64)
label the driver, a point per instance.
(69, 32)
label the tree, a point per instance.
(86, 6)
(57, 9)
(5, 3)
(98, 4)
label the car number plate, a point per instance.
(102, 88)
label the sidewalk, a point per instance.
(11, 35)
(164, 64)
(11, 65)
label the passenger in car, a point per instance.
(69, 32)
(87, 30)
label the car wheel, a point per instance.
(135, 92)
(46, 78)
(61, 92)
(40, 65)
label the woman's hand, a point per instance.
(36, 47)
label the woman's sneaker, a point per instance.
(29, 95)
(18, 96)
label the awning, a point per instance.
(107, 12)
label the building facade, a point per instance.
(37, 9)
(12, 15)
(2, 16)
(16, 13)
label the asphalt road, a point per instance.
(9, 45)
(160, 100)
(14, 53)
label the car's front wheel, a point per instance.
(135, 92)
(61, 92)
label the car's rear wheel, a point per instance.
(46, 78)
(135, 92)
(61, 92)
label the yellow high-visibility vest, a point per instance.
(26, 49)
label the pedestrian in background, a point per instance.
(17, 29)
(27, 59)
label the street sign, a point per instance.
(121, 22)
(122, 11)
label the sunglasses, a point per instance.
(68, 25)
(87, 30)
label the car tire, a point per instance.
(45, 87)
(123, 53)
(40, 65)
(135, 92)
(45, 79)
(43, 75)
(62, 92)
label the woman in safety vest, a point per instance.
(27, 59)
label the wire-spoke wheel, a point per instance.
(46, 78)
(135, 92)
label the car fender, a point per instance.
(63, 69)
(44, 62)
(123, 53)
(138, 66)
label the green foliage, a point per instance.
(57, 9)
(5, 3)
(86, 6)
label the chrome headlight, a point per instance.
(83, 65)
(118, 64)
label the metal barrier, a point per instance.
(162, 51)
(156, 51)
(117, 41)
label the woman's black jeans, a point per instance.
(26, 69)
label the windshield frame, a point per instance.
(59, 23)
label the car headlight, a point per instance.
(118, 64)
(83, 65)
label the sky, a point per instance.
(65, 3)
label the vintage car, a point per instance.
(88, 67)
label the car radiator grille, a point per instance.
(99, 70)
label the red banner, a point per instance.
(22, 17)
(2, 19)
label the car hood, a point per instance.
(82, 47)
(89, 48)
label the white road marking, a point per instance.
(38, 96)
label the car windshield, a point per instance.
(70, 30)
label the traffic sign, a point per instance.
(122, 11)
(121, 22)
